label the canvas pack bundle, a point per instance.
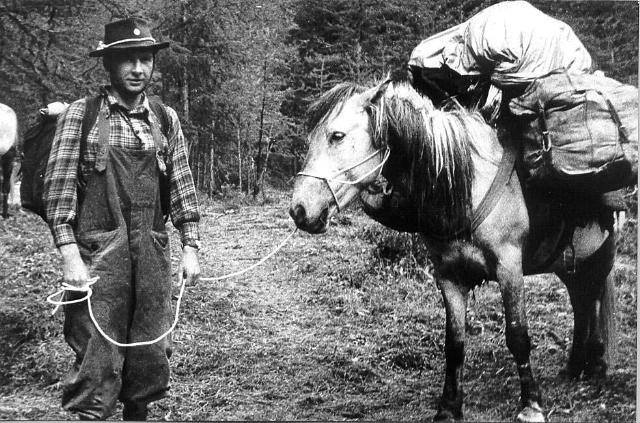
(580, 132)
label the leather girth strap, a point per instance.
(488, 203)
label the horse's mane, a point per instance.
(431, 152)
(319, 110)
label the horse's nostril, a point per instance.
(298, 214)
(323, 216)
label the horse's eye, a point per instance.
(336, 136)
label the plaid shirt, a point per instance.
(128, 129)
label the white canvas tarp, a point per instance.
(512, 42)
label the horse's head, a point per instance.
(342, 158)
(425, 152)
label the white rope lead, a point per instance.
(89, 291)
(253, 266)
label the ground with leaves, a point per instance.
(345, 325)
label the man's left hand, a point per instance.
(190, 265)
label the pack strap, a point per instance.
(103, 138)
(622, 130)
(157, 141)
(160, 110)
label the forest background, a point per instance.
(240, 73)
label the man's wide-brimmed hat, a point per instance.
(127, 34)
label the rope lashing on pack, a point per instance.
(89, 293)
(332, 178)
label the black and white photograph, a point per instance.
(319, 210)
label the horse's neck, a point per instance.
(486, 153)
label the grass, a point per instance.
(347, 325)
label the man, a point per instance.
(103, 202)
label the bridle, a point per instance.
(332, 178)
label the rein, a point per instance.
(89, 292)
(332, 178)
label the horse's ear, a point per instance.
(378, 92)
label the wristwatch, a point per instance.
(194, 243)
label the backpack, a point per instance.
(579, 133)
(37, 147)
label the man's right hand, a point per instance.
(74, 271)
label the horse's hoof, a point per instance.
(445, 416)
(596, 373)
(570, 373)
(531, 414)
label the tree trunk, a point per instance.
(185, 76)
(239, 159)
(263, 106)
(250, 168)
(262, 174)
(211, 172)
(201, 168)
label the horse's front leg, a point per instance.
(455, 302)
(4, 187)
(512, 288)
(5, 205)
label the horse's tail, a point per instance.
(608, 319)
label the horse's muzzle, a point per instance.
(314, 226)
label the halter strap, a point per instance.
(332, 178)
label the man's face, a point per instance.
(130, 71)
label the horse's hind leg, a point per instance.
(581, 313)
(6, 168)
(591, 292)
(5, 185)
(5, 205)
(455, 302)
(599, 345)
